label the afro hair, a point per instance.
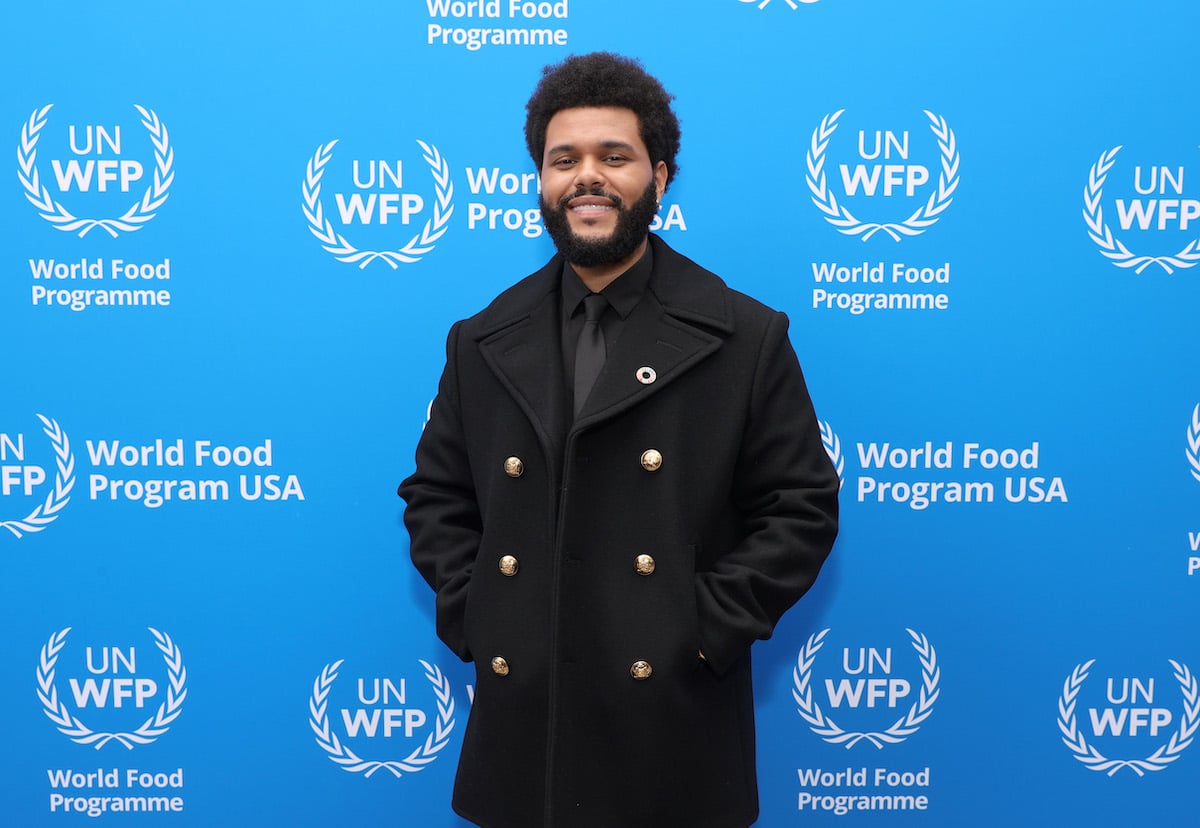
(605, 79)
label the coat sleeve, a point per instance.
(442, 512)
(786, 488)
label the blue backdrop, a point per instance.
(234, 239)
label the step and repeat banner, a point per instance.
(235, 235)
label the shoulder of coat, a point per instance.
(693, 293)
(518, 301)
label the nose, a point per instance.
(589, 172)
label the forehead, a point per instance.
(594, 125)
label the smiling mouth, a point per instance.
(590, 204)
(590, 212)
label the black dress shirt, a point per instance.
(623, 294)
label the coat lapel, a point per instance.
(521, 345)
(654, 350)
(682, 319)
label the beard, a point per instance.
(633, 223)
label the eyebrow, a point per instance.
(621, 145)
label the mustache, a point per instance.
(598, 192)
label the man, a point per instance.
(615, 497)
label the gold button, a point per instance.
(641, 670)
(499, 666)
(651, 460)
(513, 467)
(508, 566)
(644, 564)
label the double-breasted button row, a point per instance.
(642, 565)
(640, 670)
(651, 460)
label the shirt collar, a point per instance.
(623, 292)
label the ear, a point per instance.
(660, 178)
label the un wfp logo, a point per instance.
(381, 711)
(869, 681)
(21, 478)
(794, 4)
(1130, 712)
(1154, 221)
(378, 200)
(106, 168)
(120, 685)
(899, 178)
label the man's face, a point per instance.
(600, 190)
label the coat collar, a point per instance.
(683, 288)
(683, 318)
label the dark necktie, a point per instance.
(589, 352)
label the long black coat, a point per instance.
(737, 518)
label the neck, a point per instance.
(598, 277)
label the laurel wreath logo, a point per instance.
(920, 221)
(1111, 246)
(134, 218)
(762, 4)
(1074, 739)
(833, 447)
(348, 759)
(151, 729)
(903, 727)
(344, 251)
(1193, 440)
(46, 512)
